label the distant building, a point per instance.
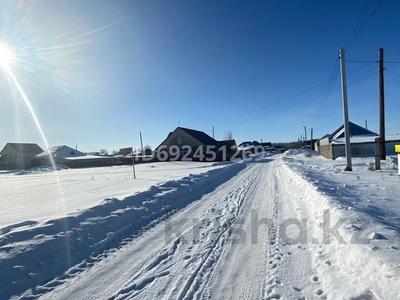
(190, 141)
(125, 151)
(18, 155)
(138, 152)
(362, 142)
(59, 154)
(252, 145)
(266, 144)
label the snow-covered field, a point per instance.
(291, 226)
(42, 194)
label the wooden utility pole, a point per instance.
(133, 165)
(141, 141)
(345, 110)
(377, 148)
(382, 148)
(312, 137)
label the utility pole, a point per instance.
(133, 165)
(345, 110)
(366, 124)
(305, 133)
(312, 134)
(141, 141)
(382, 148)
(213, 132)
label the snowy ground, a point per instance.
(258, 229)
(41, 194)
(363, 259)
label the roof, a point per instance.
(61, 152)
(366, 139)
(325, 136)
(25, 147)
(249, 144)
(201, 136)
(355, 130)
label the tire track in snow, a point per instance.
(138, 283)
(240, 271)
(251, 290)
(273, 253)
(207, 251)
(94, 233)
(239, 195)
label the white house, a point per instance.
(59, 154)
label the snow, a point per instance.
(88, 157)
(366, 202)
(39, 194)
(89, 233)
(262, 228)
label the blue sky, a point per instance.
(97, 72)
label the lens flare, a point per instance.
(6, 55)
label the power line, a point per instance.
(361, 61)
(364, 20)
(371, 61)
(331, 82)
(329, 87)
(364, 13)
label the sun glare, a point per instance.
(6, 55)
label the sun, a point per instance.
(6, 55)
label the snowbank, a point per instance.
(36, 257)
(366, 205)
(41, 194)
(300, 153)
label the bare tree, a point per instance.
(228, 135)
(103, 152)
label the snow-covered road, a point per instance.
(248, 230)
(180, 258)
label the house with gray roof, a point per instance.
(188, 142)
(362, 142)
(18, 155)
